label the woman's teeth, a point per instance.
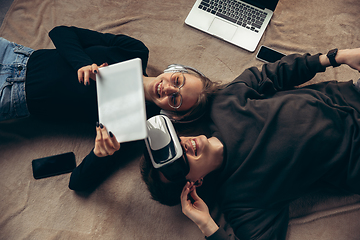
(193, 143)
(159, 89)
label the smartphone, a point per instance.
(268, 55)
(53, 165)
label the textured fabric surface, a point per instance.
(121, 207)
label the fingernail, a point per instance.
(111, 134)
(87, 83)
(97, 124)
(95, 71)
(101, 126)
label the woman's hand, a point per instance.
(197, 210)
(88, 72)
(105, 143)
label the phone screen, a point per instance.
(53, 165)
(267, 54)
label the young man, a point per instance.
(271, 144)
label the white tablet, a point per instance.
(121, 100)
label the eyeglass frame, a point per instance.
(178, 92)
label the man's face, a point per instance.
(203, 154)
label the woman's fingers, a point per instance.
(99, 143)
(86, 73)
(87, 77)
(115, 142)
(94, 69)
(104, 65)
(110, 143)
(105, 143)
(80, 75)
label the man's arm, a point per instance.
(294, 70)
(351, 57)
(247, 223)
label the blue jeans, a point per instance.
(13, 62)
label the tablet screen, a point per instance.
(121, 100)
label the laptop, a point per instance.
(241, 23)
(121, 100)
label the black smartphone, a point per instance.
(268, 55)
(53, 165)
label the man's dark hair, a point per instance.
(166, 193)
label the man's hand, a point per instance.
(105, 143)
(197, 210)
(351, 57)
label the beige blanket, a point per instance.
(121, 207)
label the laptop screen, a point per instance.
(270, 4)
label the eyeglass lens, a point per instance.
(177, 80)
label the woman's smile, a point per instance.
(158, 88)
(194, 145)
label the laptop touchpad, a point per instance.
(222, 29)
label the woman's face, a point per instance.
(204, 155)
(159, 89)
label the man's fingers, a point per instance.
(194, 195)
(184, 197)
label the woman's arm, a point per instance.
(98, 164)
(103, 160)
(72, 44)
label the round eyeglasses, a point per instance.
(177, 79)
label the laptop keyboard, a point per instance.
(236, 12)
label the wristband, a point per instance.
(331, 56)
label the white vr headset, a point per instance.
(164, 149)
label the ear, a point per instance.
(199, 182)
